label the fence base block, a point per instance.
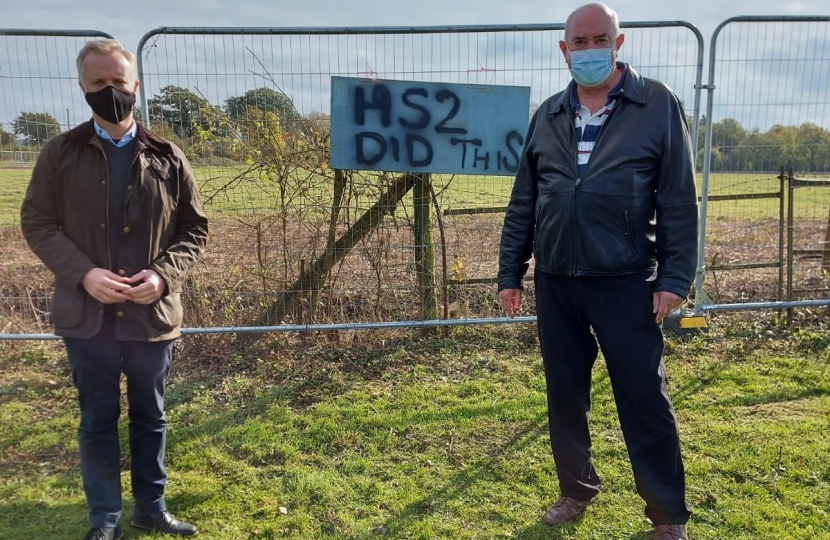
(680, 325)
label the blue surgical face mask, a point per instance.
(592, 67)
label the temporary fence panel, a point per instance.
(39, 98)
(766, 162)
(269, 190)
(295, 245)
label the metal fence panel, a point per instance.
(271, 196)
(38, 75)
(39, 96)
(379, 279)
(764, 228)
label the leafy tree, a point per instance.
(6, 138)
(36, 127)
(753, 153)
(180, 109)
(727, 137)
(260, 136)
(814, 143)
(782, 148)
(266, 100)
(318, 121)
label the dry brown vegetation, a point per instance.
(376, 280)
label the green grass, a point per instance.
(375, 435)
(808, 202)
(251, 197)
(13, 184)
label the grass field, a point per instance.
(13, 184)
(401, 435)
(379, 435)
(455, 192)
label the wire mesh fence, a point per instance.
(274, 240)
(39, 97)
(767, 125)
(294, 242)
(40, 94)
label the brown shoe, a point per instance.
(670, 532)
(565, 509)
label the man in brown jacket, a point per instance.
(113, 211)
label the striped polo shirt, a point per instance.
(587, 125)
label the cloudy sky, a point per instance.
(128, 21)
(192, 60)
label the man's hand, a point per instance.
(106, 287)
(511, 301)
(663, 303)
(147, 287)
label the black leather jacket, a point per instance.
(634, 209)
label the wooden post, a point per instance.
(424, 248)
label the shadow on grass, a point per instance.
(567, 531)
(718, 372)
(37, 519)
(304, 373)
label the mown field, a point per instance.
(253, 194)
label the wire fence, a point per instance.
(381, 276)
(296, 245)
(767, 131)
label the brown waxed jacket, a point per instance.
(64, 219)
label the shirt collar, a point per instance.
(125, 140)
(614, 93)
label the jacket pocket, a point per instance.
(167, 313)
(629, 231)
(67, 310)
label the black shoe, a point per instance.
(104, 533)
(163, 522)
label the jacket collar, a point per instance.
(632, 89)
(86, 132)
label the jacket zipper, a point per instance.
(576, 187)
(579, 178)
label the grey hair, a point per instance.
(612, 15)
(105, 46)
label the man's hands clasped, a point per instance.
(107, 287)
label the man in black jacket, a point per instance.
(604, 200)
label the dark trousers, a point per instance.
(97, 365)
(619, 310)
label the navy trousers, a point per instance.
(619, 311)
(96, 366)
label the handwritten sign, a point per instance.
(427, 127)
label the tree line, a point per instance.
(805, 148)
(234, 129)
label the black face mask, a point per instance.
(111, 104)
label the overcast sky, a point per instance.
(128, 21)
(802, 54)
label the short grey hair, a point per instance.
(105, 46)
(612, 15)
